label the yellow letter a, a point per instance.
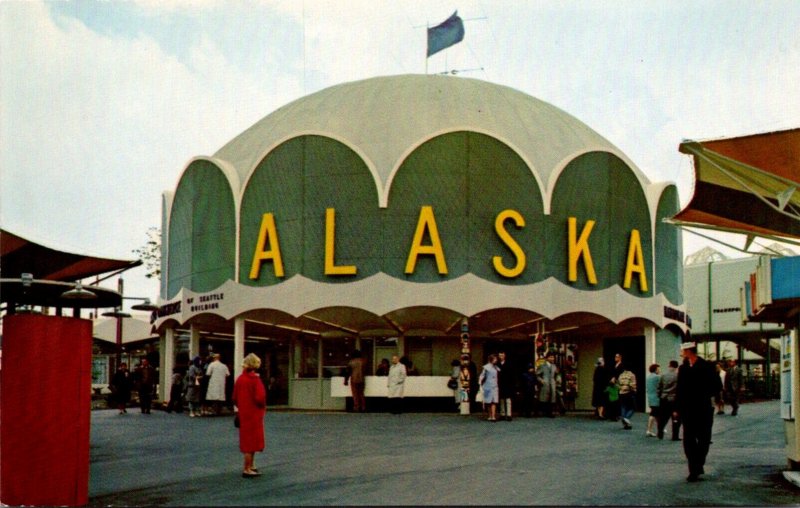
(580, 249)
(426, 223)
(635, 262)
(267, 235)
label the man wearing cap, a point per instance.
(697, 384)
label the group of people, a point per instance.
(543, 388)
(249, 396)
(687, 395)
(203, 386)
(124, 382)
(614, 392)
(684, 395)
(395, 373)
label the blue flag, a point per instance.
(445, 34)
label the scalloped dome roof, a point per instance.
(384, 118)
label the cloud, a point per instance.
(96, 126)
(99, 115)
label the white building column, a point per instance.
(238, 346)
(194, 341)
(649, 346)
(166, 362)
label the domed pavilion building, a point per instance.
(423, 216)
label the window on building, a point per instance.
(307, 357)
(420, 351)
(336, 353)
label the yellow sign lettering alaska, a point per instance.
(427, 242)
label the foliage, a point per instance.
(150, 253)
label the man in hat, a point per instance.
(697, 384)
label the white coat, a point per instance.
(217, 372)
(396, 380)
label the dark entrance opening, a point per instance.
(519, 353)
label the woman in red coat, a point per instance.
(250, 397)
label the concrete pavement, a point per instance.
(432, 459)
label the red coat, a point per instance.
(250, 397)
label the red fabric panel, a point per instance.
(45, 404)
(774, 152)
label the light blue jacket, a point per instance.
(651, 387)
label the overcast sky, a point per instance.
(102, 104)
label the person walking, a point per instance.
(250, 398)
(734, 385)
(599, 383)
(667, 389)
(121, 387)
(355, 376)
(217, 373)
(395, 382)
(505, 381)
(490, 385)
(194, 383)
(627, 397)
(546, 377)
(653, 400)
(697, 384)
(145, 381)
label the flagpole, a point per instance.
(427, 27)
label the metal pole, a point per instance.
(120, 285)
(710, 312)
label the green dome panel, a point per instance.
(468, 178)
(599, 186)
(297, 182)
(669, 249)
(202, 230)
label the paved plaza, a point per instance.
(318, 458)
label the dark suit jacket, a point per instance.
(697, 386)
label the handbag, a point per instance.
(236, 420)
(452, 384)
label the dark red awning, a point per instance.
(746, 185)
(19, 255)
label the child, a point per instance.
(612, 395)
